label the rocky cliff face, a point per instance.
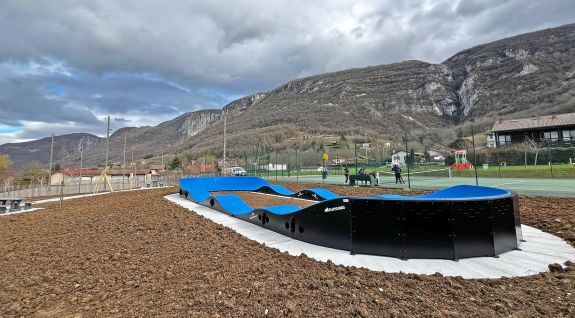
(197, 122)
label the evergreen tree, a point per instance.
(176, 163)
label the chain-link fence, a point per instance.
(41, 188)
(527, 165)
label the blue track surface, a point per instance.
(199, 190)
(460, 192)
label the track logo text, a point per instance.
(337, 208)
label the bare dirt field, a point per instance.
(136, 254)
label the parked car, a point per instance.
(238, 171)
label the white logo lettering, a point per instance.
(337, 208)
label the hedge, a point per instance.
(515, 156)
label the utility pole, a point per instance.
(296, 166)
(365, 144)
(107, 142)
(135, 176)
(355, 150)
(81, 167)
(124, 165)
(225, 128)
(256, 168)
(50, 171)
(107, 149)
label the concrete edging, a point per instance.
(538, 251)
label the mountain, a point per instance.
(524, 75)
(39, 150)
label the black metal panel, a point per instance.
(326, 223)
(427, 230)
(504, 232)
(400, 228)
(376, 227)
(472, 233)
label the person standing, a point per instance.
(346, 174)
(397, 170)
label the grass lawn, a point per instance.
(564, 171)
(540, 171)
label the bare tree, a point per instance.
(535, 146)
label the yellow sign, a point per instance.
(325, 156)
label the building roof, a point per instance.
(96, 172)
(158, 167)
(557, 120)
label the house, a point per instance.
(555, 129)
(273, 167)
(491, 141)
(200, 168)
(398, 158)
(157, 168)
(229, 162)
(71, 176)
(435, 155)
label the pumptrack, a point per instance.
(457, 222)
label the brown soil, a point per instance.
(135, 254)
(258, 200)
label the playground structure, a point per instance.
(461, 162)
(103, 177)
(454, 223)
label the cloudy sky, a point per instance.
(65, 65)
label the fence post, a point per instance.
(550, 161)
(297, 167)
(474, 155)
(61, 193)
(498, 159)
(407, 164)
(276, 166)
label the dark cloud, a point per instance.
(67, 64)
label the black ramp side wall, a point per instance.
(326, 223)
(427, 230)
(377, 227)
(504, 231)
(471, 223)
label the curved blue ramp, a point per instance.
(459, 192)
(457, 222)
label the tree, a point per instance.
(176, 163)
(5, 163)
(410, 158)
(535, 146)
(31, 170)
